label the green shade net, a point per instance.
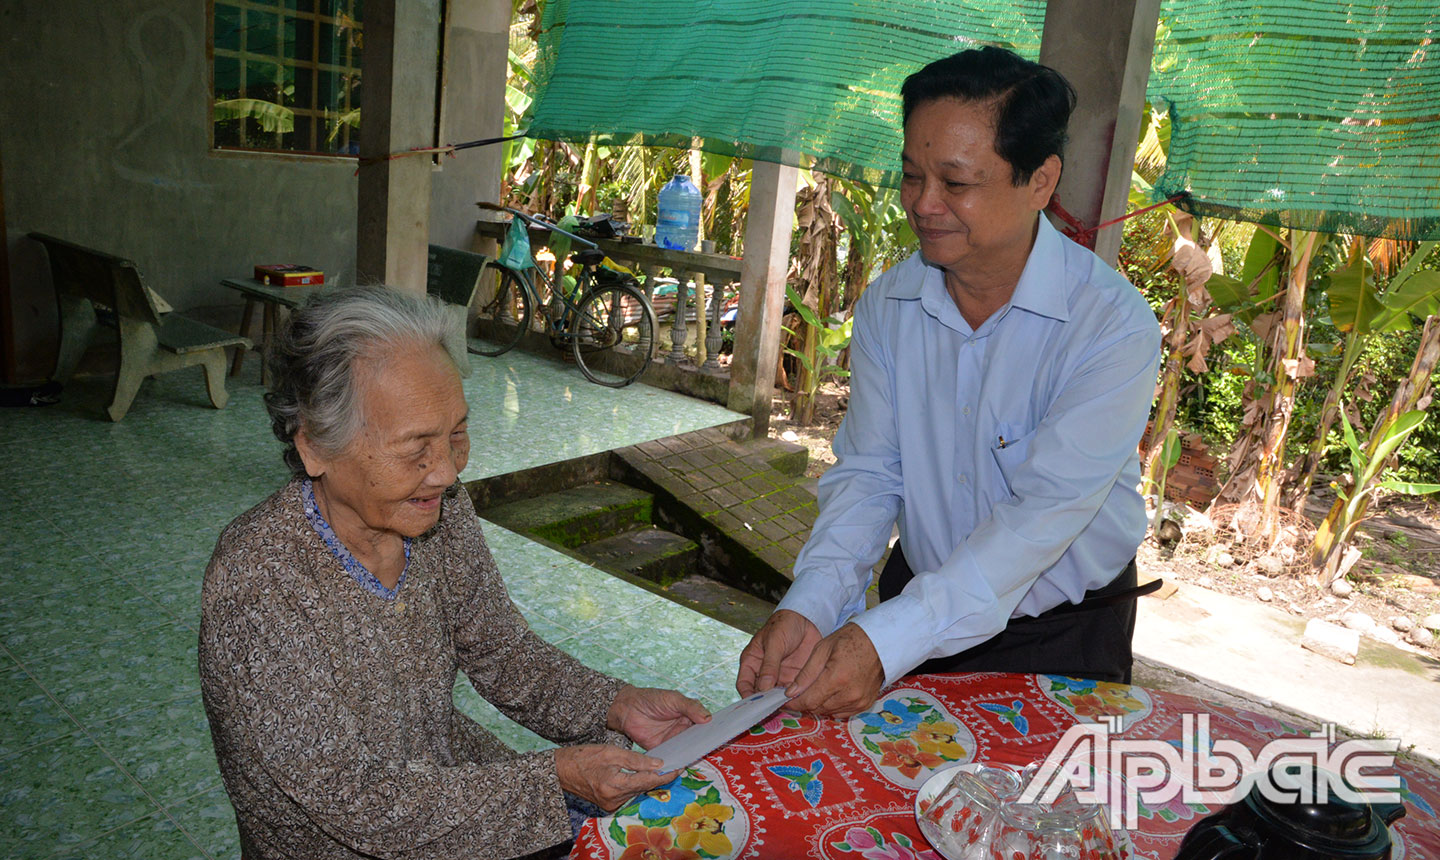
(1318, 115)
(764, 79)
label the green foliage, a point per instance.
(829, 341)
(1368, 470)
(273, 118)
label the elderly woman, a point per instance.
(337, 611)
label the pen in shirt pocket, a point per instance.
(1003, 443)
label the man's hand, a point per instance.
(776, 653)
(607, 776)
(842, 677)
(650, 716)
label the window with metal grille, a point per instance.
(286, 75)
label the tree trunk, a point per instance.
(857, 266)
(589, 167)
(1179, 314)
(1335, 529)
(1257, 462)
(1288, 370)
(819, 241)
(1328, 413)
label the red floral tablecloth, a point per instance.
(796, 787)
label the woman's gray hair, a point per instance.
(312, 359)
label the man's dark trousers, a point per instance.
(1086, 640)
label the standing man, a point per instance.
(1001, 379)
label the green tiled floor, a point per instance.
(104, 533)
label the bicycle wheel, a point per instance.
(505, 318)
(613, 334)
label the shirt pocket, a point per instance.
(1010, 449)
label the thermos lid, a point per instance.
(1309, 807)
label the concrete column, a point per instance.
(472, 108)
(1103, 48)
(762, 290)
(397, 113)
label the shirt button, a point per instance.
(962, 479)
(965, 411)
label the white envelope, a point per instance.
(701, 739)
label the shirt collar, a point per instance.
(1042, 288)
(1038, 290)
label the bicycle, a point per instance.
(610, 328)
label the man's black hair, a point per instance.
(1032, 102)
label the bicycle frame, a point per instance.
(560, 320)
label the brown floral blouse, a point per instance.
(331, 707)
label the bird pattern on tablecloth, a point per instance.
(1010, 714)
(804, 780)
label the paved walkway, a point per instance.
(1214, 645)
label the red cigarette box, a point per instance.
(288, 275)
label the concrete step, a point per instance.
(739, 609)
(578, 515)
(650, 553)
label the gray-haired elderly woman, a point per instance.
(337, 611)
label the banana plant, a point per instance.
(1279, 269)
(1367, 466)
(872, 219)
(829, 337)
(1168, 454)
(1359, 309)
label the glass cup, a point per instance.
(978, 816)
(966, 814)
(1064, 830)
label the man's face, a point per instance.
(958, 192)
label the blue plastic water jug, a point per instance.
(677, 221)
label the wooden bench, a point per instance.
(92, 287)
(452, 276)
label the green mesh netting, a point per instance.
(764, 79)
(1319, 115)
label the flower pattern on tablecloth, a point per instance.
(748, 801)
(872, 834)
(1090, 700)
(908, 735)
(775, 724)
(781, 730)
(693, 817)
(871, 844)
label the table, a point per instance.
(758, 797)
(271, 298)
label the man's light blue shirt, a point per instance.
(1007, 452)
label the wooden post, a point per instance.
(399, 71)
(1103, 48)
(762, 290)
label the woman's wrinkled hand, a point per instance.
(649, 716)
(607, 776)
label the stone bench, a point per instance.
(92, 287)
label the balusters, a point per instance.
(677, 331)
(714, 335)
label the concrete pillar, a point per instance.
(762, 290)
(477, 41)
(1103, 48)
(398, 113)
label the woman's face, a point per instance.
(412, 445)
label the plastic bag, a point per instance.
(515, 252)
